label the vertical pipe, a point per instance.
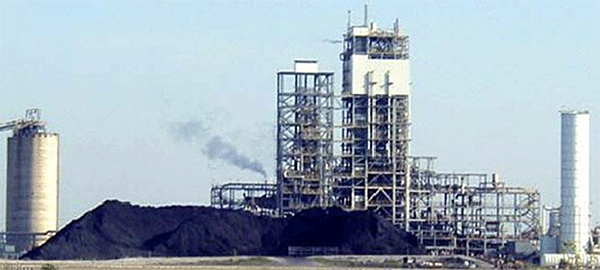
(392, 118)
(279, 147)
(349, 20)
(366, 15)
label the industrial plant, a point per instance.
(31, 185)
(350, 149)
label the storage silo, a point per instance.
(575, 180)
(32, 188)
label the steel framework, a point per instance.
(8, 250)
(258, 198)
(372, 171)
(470, 213)
(304, 139)
(454, 213)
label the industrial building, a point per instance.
(362, 160)
(32, 183)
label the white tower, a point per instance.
(575, 179)
(373, 173)
(32, 182)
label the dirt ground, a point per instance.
(237, 262)
(169, 263)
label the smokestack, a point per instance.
(574, 180)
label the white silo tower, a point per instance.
(32, 183)
(575, 179)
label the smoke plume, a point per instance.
(189, 131)
(217, 148)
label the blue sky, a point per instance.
(116, 78)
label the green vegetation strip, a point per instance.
(243, 261)
(359, 263)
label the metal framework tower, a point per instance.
(304, 137)
(373, 171)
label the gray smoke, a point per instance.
(217, 148)
(189, 131)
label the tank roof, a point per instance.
(574, 111)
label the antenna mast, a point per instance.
(366, 15)
(349, 18)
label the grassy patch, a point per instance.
(253, 261)
(243, 261)
(358, 263)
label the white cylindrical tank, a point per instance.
(32, 189)
(575, 179)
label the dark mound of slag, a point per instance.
(118, 229)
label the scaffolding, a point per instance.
(304, 137)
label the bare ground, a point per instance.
(237, 262)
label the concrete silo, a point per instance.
(32, 183)
(575, 181)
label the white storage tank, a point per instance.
(575, 180)
(32, 188)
